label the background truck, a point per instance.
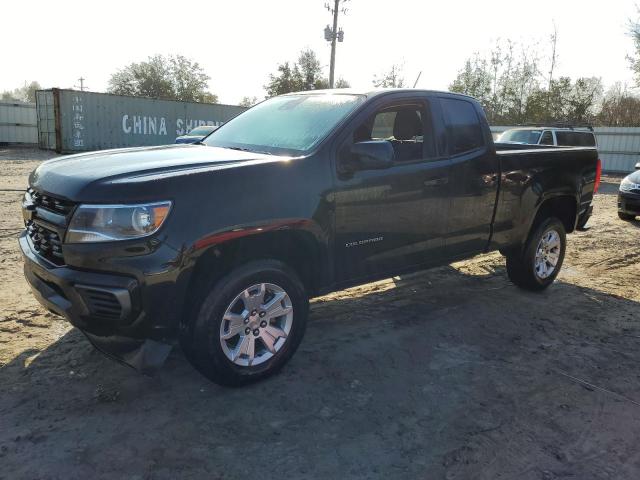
(220, 245)
(550, 136)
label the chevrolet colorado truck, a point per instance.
(219, 245)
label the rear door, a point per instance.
(474, 177)
(390, 220)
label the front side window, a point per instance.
(463, 125)
(290, 124)
(406, 127)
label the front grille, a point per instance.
(46, 219)
(45, 242)
(50, 203)
(101, 303)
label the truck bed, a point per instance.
(528, 170)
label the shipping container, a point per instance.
(18, 123)
(74, 121)
(619, 147)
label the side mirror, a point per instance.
(638, 166)
(372, 155)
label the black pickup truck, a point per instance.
(219, 245)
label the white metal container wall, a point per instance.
(18, 123)
(619, 147)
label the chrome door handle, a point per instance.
(434, 182)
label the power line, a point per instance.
(334, 34)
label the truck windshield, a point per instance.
(289, 125)
(530, 137)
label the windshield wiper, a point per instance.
(242, 149)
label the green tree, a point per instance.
(190, 83)
(310, 71)
(634, 60)
(620, 108)
(585, 96)
(304, 74)
(474, 79)
(392, 78)
(248, 101)
(287, 80)
(26, 93)
(173, 78)
(342, 83)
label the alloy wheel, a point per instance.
(547, 254)
(256, 324)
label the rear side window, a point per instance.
(587, 139)
(547, 138)
(463, 126)
(576, 139)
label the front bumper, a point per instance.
(105, 307)
(629, 203)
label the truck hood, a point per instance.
(74, 172)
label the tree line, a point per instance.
(26, 93)
(516, 85)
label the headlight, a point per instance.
(108, 223)
(627, 184)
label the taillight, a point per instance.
(598, 175)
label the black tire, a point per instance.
(521, 263)
(201, 338)
(626, 216)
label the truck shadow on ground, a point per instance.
(439, 373)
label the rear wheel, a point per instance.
(249, 324)
(626, 217)
(537, 265)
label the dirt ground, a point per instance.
(452, 373)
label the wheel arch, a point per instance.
(564, 207)
(299, 245)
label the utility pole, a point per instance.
(333, 34)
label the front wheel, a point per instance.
(626, 216)
(537, 265)
(249, 324)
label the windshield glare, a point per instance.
(290, 124)
(521, 136)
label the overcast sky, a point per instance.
(240, 42)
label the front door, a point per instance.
(389, 220)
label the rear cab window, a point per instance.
(463, 126)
